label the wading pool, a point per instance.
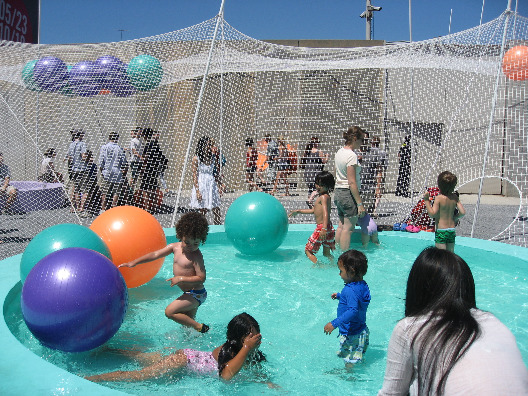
(288, 296)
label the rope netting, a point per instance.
(440, 104)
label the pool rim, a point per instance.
(47, 378)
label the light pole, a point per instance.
(368, 14)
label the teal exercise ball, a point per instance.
(144, 72)
(28, 77)
(256, 223)
(56, 238)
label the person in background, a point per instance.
(404, 171)
(76, 158)
(282, 167)
(113, 165)
(153, 165)
(135, 150)
(251, 165)
(347, 198)
(445, 345)
(313, 162)
(5, 188)
(373, 169)
(48, 174)
(205, 195)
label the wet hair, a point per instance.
(325, 179)
(440, 285)
(249, 142)
(192, 225)
(354, 261)
(237, 330)
(203, 149)
(447, 182)
(354, 132)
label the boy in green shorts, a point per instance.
(443, 211)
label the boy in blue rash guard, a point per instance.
(352, 309)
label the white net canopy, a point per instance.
(196, 101)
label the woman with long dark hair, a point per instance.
(445, 345)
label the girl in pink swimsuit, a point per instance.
(241, 346)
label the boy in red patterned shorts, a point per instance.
(324, 232)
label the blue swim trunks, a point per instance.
(445, 235)
(353, 346)
(198, 295)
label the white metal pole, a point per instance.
(410, 21)
(219, 18)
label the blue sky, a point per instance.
(90, 21)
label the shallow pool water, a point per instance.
(291, 300)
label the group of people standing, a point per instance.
(115, 180)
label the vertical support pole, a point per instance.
(219, 19)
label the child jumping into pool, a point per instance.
(188, 269)
(324, 233)
(239, 350)
(443, 211)
(352, 309)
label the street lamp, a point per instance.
(368, 14)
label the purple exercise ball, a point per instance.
(74, 300)
(50, 74)
(84, 79)
(111, 70)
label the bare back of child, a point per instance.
(443, 211)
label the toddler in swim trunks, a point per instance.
(324, 233)
(354, 300)
(188, 268)
(443, 211)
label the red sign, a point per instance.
(19, 20)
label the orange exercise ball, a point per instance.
(129, 233)
(515, 63)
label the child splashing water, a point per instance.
(324, 232)
(188, 268)
(239, 350)
(354, 300)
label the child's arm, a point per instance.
(295, 212)
(431, 210)
(150, 256)
(251, 342)
(329, 327)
